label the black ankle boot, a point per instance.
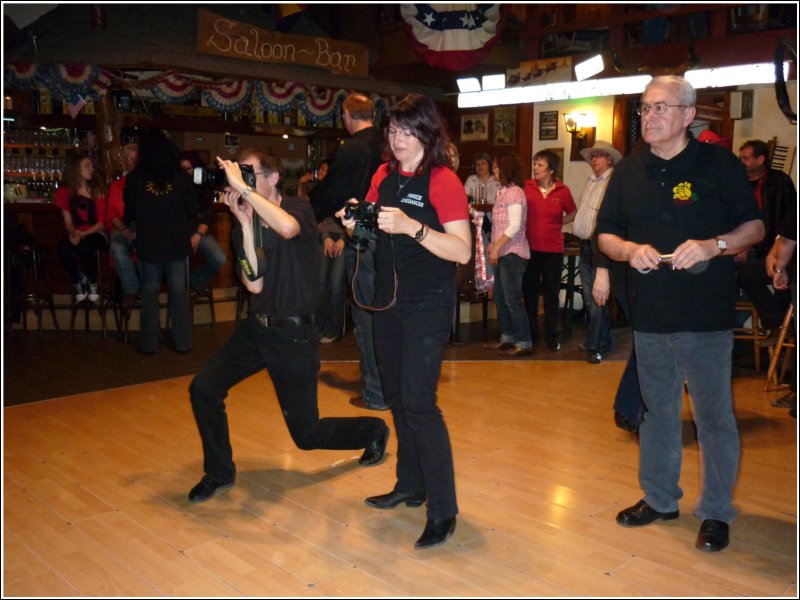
(436, 533)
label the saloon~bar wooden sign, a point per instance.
(233, 39)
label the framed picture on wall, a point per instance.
(559, 152)
(505, 125)
(548, 125)
(475, 128)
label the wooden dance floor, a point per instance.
(95, 497)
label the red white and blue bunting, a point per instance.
(320, 105)
(453, 37)
(66, 82)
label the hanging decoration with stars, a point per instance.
(453, 37)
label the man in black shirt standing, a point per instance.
(349, 176)
(277, 246)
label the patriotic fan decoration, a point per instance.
(453, 37)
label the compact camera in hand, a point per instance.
(366, 218)
(216, 178)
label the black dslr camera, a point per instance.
(366, 217)
(215, 178)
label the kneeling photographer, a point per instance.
(277, 248)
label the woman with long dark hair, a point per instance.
(82, 201)
(423, 230)
(162, 200)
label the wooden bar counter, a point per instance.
(43, 220)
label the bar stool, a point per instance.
(30, 262)
(87, 305)
(784, 341)
(752, 332)
(204, 296)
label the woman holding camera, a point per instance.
(423, 230)
(162, 200)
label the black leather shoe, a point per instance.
(625, 423)
(436, 533)
(641, 514)
(207, 488)
(595, 358)
(713, 536)
(392, 499)
(376, 451)
(359, 402)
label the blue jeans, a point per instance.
(120, 250)
(291, 356)
(703, 360)
(332, 295)
(151, 275)
(628, 401)
(598, 333)
(215, 260)
(364, 291)
(410, 339)
(514, 325)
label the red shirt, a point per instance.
(546, 216)
(115, 206)
(446, 192)
(85, 212)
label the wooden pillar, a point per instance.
(525, 133)
(109, 125)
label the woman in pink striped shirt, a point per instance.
(509, 253)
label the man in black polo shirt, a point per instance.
(277, 245)
(677, 212)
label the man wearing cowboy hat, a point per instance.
(595, 281)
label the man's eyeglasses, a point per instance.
(658, 108)
(403, 132)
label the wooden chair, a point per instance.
(784, 341)
(751, 332)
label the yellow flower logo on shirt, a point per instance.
(683, 195)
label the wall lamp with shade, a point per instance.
(582, 126)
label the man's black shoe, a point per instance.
(595, 358)
(208, 488)
(436, 533)
(392, 499)
(376, 451)
(641, 514)
(359, 402)
(625, 423)
(713, 536)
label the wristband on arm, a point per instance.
(244, 263)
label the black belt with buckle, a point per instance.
(269, 321)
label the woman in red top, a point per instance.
(422, 230)
(550, 207)
(82, 201)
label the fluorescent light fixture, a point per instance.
(618, 86)
(564, 90)
(468, 84)
(736, 75)
(587, 68)
(494, 82)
